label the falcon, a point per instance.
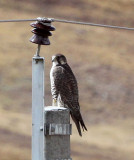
(64, 89)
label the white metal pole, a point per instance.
(37, 107)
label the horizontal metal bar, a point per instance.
(63, 159)
(58, 129)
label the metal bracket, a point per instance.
(64, 159)
(38, 58)
(45, 20)
(58, 129)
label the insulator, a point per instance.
(41, 25)
(41, 32)
(40, 40)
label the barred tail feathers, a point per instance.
(83, 124)
(77, 124)
(77, 118)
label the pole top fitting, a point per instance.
(45, 20)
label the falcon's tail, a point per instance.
(77, 118)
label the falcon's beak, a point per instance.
(53, 57)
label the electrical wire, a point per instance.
(68, 21)
(92, 24)
(17, 20)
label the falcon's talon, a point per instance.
(54, 102)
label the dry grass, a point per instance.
(102, 60)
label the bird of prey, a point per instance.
(64, 89)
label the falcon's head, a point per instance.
(59, 59)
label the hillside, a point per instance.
(101, 59)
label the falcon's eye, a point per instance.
(62, 60)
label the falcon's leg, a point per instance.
(54, 103)
(59, 101)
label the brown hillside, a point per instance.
(101, 59)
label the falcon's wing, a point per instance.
(66, 85)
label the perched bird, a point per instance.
(64, 89)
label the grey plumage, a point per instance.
(64, 88)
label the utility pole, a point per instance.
(42, 28)
(51, 128)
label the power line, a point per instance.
(17, 20)
(92, 24)
(68, 21)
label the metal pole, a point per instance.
(37, 107)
